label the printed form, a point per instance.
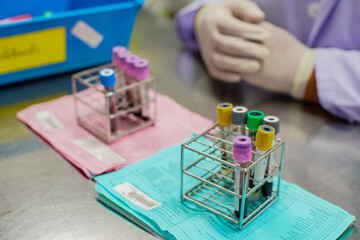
(55, 121)
(155, 183)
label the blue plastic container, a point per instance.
(27, 49)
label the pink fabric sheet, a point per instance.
(174, 124)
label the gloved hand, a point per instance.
(226, 32)
(288, 67)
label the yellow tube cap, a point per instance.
(264, 137)
(224, 114)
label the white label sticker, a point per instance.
(49, 121)
(99, 150)
(87, 34)
(136, 196)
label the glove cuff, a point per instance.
(311, 94)
(303, 74)
(199, 17)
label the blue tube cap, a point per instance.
(107, 77)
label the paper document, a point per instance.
(55, 121)
(297, 214)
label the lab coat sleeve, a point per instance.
(185, 20)
(338, 82)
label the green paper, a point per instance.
(298, 214)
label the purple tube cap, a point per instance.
(119, 49)
(142, 69)
(123, 55)
(130, 64)
(115, 53)
(122, 59)
(242, 149)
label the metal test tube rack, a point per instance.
(214, 189)
(93, 104)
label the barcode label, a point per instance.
(99, 150)
(49, 121)
(136, 196)
(87, 34)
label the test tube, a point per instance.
(238, 120)
(115, 54)
(122, 55)
(224, 121)
(254, 120)
(130, 79)
(115, 59)
(274, 122)
(142, 73)
(242, 156)
(264, 141)
(108, 80)
(119, 74)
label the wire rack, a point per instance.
(98, 108)
(207, 177)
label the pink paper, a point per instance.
(174, 124)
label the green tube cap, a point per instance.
(254, 119)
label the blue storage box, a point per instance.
(77, 34)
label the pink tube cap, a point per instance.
(142, 69)
(130, 64)
(242, 149)
(122, 59)
(115, 54)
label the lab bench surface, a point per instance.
(43, 197)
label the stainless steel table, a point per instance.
(43, 197)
